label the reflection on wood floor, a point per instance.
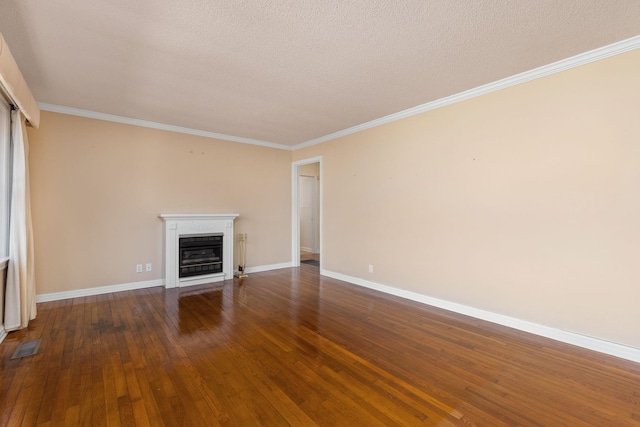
(289, 347)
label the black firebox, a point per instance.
(200, 255)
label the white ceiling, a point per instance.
(287, 72)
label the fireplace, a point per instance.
(200, 255)
(198, 248)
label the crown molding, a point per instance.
(546, 70)
(154, 125)
(537, 73)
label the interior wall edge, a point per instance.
(524, 77)
(261, 268)
(109, 289)
(155, 125)
(100, 290)
(590, 343)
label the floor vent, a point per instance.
(27, 348)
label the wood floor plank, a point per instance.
(289, 347)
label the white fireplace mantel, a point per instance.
(181, 225)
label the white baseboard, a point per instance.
(305, 249)
(3, 334)
(55, 296)
(261, 268)
(596, 344)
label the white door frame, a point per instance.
(312, 245)
(295, 212)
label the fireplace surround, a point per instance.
(195, 229)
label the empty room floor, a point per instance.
(289, 347)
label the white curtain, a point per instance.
(20, 295)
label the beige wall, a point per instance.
(523, 202)
(98, 187)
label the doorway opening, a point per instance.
(307, 212)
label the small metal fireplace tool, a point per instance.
(242, 241)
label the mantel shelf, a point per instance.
(188, 217)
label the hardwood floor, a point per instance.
(289, 347)
(306, 256)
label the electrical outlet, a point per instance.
(370, 268)
(148, 267)
(138, 268)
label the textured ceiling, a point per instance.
(287, 72)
